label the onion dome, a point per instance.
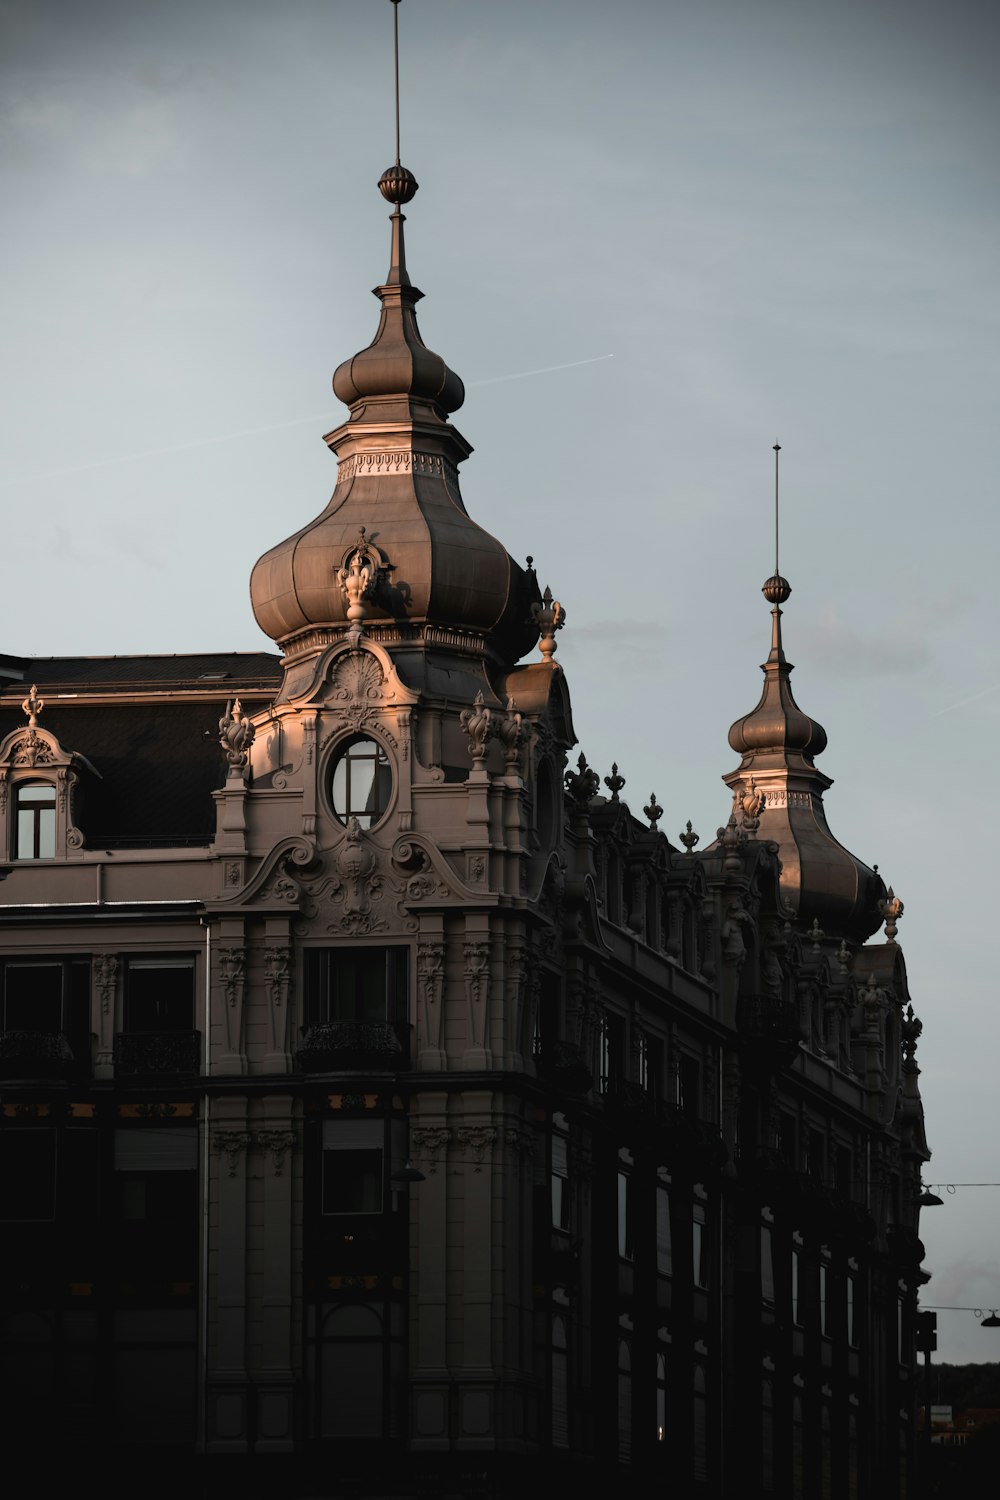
(820, 879)
(430, 571)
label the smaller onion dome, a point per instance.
(821, 880)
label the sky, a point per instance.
(713, 225)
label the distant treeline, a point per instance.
(963, 1385)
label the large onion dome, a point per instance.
(432, 572)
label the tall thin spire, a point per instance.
(777, 450)
(397, 185)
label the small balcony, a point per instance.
(354, 1046)
(157, 1054)
(43, 1055)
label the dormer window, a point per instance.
(35, 822)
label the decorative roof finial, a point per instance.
(33, 706)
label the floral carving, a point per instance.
(476, 1140)
(231, 1144)
(431, 1142)
(279, 1143)
(105, 971)
(430, 991)
(232, 966)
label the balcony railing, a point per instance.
(353, 1045)
(43, 1054)
(157, 1053)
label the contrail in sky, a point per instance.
(963, 701)
(595, 359)
(231, 437)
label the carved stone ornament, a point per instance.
(105, 969)
(32, 750)
(33, 706)
(279, 1143)
(582, 784)
(750, 800)
(430, 993)
(892, 910)
(614, 782)
(232, 969)
(654, 812)
(357, 579)
(549, 616)
(476, 723)
(231, 1144)
(357, 679)
(476, 1140)
(358, 884)
(509, 728)
(430, 1141)
(689, 838)
(236, 735)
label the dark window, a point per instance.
(46, 995)
(844, 1170)
(816, 1154)
(156, 1193)
(612, 1048)
(28, 1174)
(626, 1216)
(35, 821)
(700, 1247)
(766, 1264)
(355, 984)
(159, 994)
(353, 1167)
(664, 1255)
(560, 1183)
(361, 784)
(689, 1085)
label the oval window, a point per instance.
(361, 782)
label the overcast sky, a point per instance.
(735, 221)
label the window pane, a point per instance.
(664, 1258)
(352, 1181)
(28, 1174)
(361, 784)
(33, 997)
(159, 995)
(766, 1265)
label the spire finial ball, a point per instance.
(777, 589)
(397, 184)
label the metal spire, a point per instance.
(777, 450)
(396, 184)
(395, 49)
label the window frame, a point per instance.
(381, 790)
(51, 825)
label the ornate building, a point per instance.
(381, 1098)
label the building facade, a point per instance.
(383, 1099)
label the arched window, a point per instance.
(361, 782)
(35, 821)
